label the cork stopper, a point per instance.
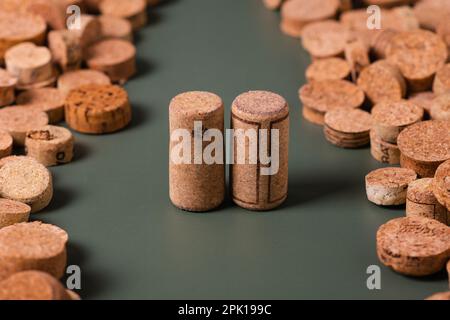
(429, 13)
(12, 212)
(441, 82)
(66, 49)
(8, 159)
(397, 114)
(195, 103)
(74, 79)
(391, 177)
(6, 144)
(440, 109)
(115, 28)
(421, 191)
(133, 10)
(352, 121)
(441, 184)
(260, 106)
(383, 151)
(423, 99)
(49, 100)
(328, 69)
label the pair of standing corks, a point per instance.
(201, 187)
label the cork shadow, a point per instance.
(144, 67)
(81, 151)
(140, 116)
(62, 197)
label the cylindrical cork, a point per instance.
(383, 151)
(196, 176)
(115, 28)
(440, 109)
(49, 100)
(7, 86)
(133, 10)
(6, 144)
(441, 82)
(260, 145)
(74, 79)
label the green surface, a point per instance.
(132, 243)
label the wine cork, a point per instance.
(319, 97)
(29, 63)
(441, 82)
(115, 28)
(388, 186)
(74, 79)
(33, 285)
(424, 146)
(133, 10)
(328, 69)
(66, 49)
(391, 118)
(414, 246)
(50, 82)
(196, 184)
(441, 296)
(273, 4)
(26, 181)
(382, 82)
(52, 11)
(403, 19)
(348, 128)
(98, 109)
(6, 144)
(383, 151)
(443, 30)
(48, 100)
(325, 39)
(357, 56)
(12, 212)
(17, 121)
(9, 159)
(256, 183)
(423, 99)
(20, 27)
(381, 41)
(421, 201)
(89, 32)
(32, 246)
(440, 109)
(387, 3)
(116, 58)
(441, 184)
(7, 86)
(419, 55)
(92, 6)
(296, 14)
(356, 22)
(50, 145)
(345, 5)
(431, 12)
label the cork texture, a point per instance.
(133, 10)
(48, 100)
(115, 28)
(66, 49)
(6, 144)
(431, 12)
(423, 99)
(441, 184)
(12, 212)
(441, 82)
(440, 109)
(383, 151)
(74, 79)
(357, 56)
(7, 86)
(328, 69)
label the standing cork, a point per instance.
(383, 151)
(381, 41)
(49, 100)
(133, 10)
(6, 144)
(431, 12)
(7, 86)
(357, 56)
(259, 173)
(66, 49)
(12, 212)
(50, 145)
(328, 69)
(195, 183)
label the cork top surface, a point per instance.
(7, 159)
(443, 75)
(329, 68)
(195, 102)
(50, 135)
(325, 38)
(349, 120)
(6, 79)
(78, 78)
(329, 94)
(21, 119)
(430, 12)
(23, 179)
(260, 103)
(122, 8)
(440, 108)
(28, 55)
(306, 10)
(13, 207)
(32, 240)
(393, 177)
(421, 191)
(97, 98)
(423, 99)
(110, 52)
(398, 113)
(418, 54)
(427, 141)
(114, 26)
(42, 99)
(441, 183)
(5, 140)
(20, 26)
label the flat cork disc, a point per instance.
(49, 100)
(74, 79)
(7, 159)
(328, 69)
(349, 121)
(260, 106)
(441, 184)
(414, 246)
(427, 141)
(423, 99)
(12, 212)
(133, 10)
(431, 12)
(115, 28)
(6, 144)
(327, 95)
(421, 191)
(397, 114)
(391, 177)
(32, 246)
(440, 109)
(441, 82)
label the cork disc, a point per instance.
(34, 286)
(431, 12)
(427, 141)
(325, 38)
(115, 28)
(6, 79)
(441, 82)
(133, 10)
(381, 41)
(74, 79)
(440, 109)
(260, 106)
(49, 100)
(326, 95)
(441, 296)
(6, 144)
(414, 246)
(421, 191)
(397, 114)
(66, 49)
(423, 99)
(195, 103)
(352, 121)
(32, 245)
(12, 212)
(8, 159)
(441, 184)
(391, 177)
(328, 69)
(443, 30)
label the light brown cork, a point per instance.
(440, 109)
(431, 12)
(421, 201)
(50, 145)
(414, 246)
(441, 82)
(441, 184)
(49, 100)
(7, 86)
(6, 144)
(388, 186)
(32, 246)
(74, 79)
(18, 120)
(423, 99)
(381, 41)
(50, 82)
(328, 69)
(8, 159)
(66, 49)
(196, 186)
(12, 212)
(357, 56)
(115, 28)
(441, 296)
(273, 4)
(251, 189)
(383, 151)
(90, 31)
(52, 11)
(133, 10)
(443, 30)
(114, 57)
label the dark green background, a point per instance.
(132, 243)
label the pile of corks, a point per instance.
(54, 67)
(388, 87)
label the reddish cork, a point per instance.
(441, 82)
(12, 212)
(133, 10)
(48, 100)
(7, 86)
(6, 144)
(74, 79)
(115, 28)
(423, 99)
(441, 184)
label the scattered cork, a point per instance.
(414, 246)
(320, 97)
(116, 58)
(419, 55)
(441, 296)
(424, 146)
(9, 159)
(49, 100)
(196, 187)
(421, 201)
(28, 182)
(50, 145)
(441, 82)
(440, 109)
(32, 246)
(357, 56)
(66, 49)
(382, 82)
(391, 118)
(381, 41)
(348, 128)
(296, 14)
(431, 12)
(328, 69)
(423, 99)
(6, 144)
(388, 186)
(98, 109)
(115, 28)
(441, 184)
(17, 121)
(7, 86)
(74, 79)
(12, 212)
(251, 187)
(383, 151)
(133, 10)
